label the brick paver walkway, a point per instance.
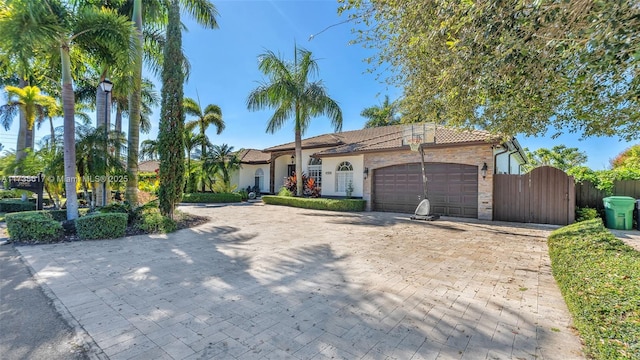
(263, 281)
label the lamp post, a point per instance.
(106, 86)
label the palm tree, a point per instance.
(53, 24)
(149, 149)
(222, 161)
(192, 140)
(212, 115)
(381, 115)
(32, 106)
(290, 92)
(205, 14)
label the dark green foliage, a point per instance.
(121, 208)
(101, 226)
(14, 194)
(36, 227)
(171, 132)
(586, 213)
(317, 204)
(57, 215)
(151, 221)
(212, 198)
(9, 206)
(598, 276)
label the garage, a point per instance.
(452, 188)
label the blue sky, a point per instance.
(224, 70)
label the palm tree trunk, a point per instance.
(299, 161)
(22, 132)
(203, 152)
(52, 143)
(134, 111)
(68, 106)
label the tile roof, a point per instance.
(148, 166)
(385, 138)
(253, 156)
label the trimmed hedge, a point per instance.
(151, 221)
(598, 276)
(37, 227)
(9, 206)
(317, 204)
(211, 198)
(14, 194)
(101, 226)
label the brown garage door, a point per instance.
(452, 188)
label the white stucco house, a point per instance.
(380, 167)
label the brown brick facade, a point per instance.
(475, 155)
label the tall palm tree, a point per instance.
(291, 93)
(149, 149)
(205, 14)
(222, 161)
(212, 115)
(381, 115)
(29, 100)
(54, 24)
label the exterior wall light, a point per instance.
(366, 172)
(483, 170)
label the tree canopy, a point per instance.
(630, 158)
(381, 115)
(511, 66)
(560, 156)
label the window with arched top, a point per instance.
(315, 170)
(259, 179)
(344, 176)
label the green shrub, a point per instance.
(598, 276)
(101, 225)
(9, 206)
(211, 198)
(151, 221)
(57, 215)
(586, 213)
(317, 204)
(244, 194)
(119, 208)
(33, 227)
(14, 194)
(285, 192)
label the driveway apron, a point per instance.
(263, 281)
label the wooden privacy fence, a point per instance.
(545, 195)
(588, 196)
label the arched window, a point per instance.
(315, 170)
(259, 179)
(344, 176)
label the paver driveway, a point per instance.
(262, 281)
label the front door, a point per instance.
(291, 169)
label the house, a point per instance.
(378, 165)
(254, 171)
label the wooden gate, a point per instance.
(545, 195)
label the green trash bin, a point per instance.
(619, 212)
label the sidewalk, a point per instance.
(30, 326)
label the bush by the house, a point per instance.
(101, 225)
(598, 276)
(317, 204)
(211, 198)
(285, 192)
(151, 221)
(9, 206)
(586, 213)
(33, 227)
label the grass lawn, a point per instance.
(599, 277)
